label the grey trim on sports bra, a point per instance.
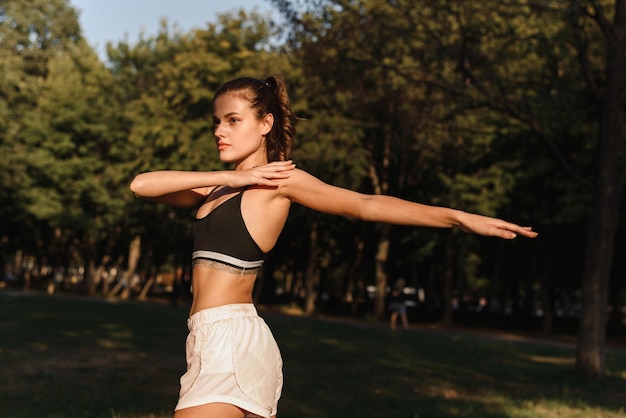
(223, 258)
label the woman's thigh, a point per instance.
(211, 410)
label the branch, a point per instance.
(600, 17)
(583, 56)
(504, 106)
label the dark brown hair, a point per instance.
(267, 96)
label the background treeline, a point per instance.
(507, 108)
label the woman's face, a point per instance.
(240, 136)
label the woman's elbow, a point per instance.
(137, 186)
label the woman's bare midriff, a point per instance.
(212, 288)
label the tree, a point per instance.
(538, 85)
(595, 33)
(604, 69)
(31, 34)
(74, 140)
(370, 68)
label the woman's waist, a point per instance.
(219, 313)
(212, 288)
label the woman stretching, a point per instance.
(234, 367)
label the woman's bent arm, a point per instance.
(189, 188)
(175, 188)
(160, 183)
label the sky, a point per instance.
(123, 20)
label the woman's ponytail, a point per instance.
(280, 140)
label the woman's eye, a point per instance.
(234, 120)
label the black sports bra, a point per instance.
(221, 240)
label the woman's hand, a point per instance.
(484, 225)
(263, 175)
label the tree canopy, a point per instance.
(507, 108)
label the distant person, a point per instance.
(397, 305)
(234, 367)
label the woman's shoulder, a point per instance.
(301, 177)
(299, 181)
(306, 189)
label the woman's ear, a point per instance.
(267, 123)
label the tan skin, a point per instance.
(272, 188)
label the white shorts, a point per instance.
(232, 358)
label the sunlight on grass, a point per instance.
(39, 346)
(292, 310)
(544, 408)
(494, 404)
(563, 361)
(110, 344)
(443, 393)
(123, 360)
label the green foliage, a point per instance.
(387, 74)
(31, 37)
(171, 80)
(33, 31)
(482, 106)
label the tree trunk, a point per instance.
(590, 355)
(90, 275)
(17, 263)
(134, 252)
(591, 349)
(311, 276)
(99, 275)
(352, 281)
(88, 249)
(448, 282)
(547, 298)
(146, 288)
(382, 254)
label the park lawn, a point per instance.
(76, 357)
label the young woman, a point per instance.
(234, 368)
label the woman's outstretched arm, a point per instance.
(311, 192)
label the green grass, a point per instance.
(74, 357)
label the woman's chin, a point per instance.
(225, 158)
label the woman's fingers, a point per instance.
(278, 166)
(484, 225)
(510, 231)
(277, 169)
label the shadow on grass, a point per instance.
(73, 357)
(343, 370)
